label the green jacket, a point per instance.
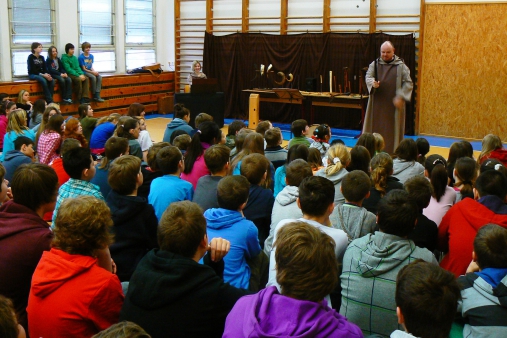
(71, 64)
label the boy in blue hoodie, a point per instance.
(180, 122)
(228, 222)
(170, 187)
(484, 287)
(22, 154)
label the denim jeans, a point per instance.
(65, 86)
(95, 82)
(47, 86)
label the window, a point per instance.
(96, 26)
(30, 21)
(139, 33)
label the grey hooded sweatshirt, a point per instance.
(370, 267)
(403, 170)
(285, 207)
(355, 221)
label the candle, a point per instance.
(330, 81)
(321, 79)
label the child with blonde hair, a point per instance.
(338, 158)
(16, 126)
(492, 148)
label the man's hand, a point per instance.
(376, 84)
(82, 77)
(398, 102)
(218, 248)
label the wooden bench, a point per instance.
(119, 91)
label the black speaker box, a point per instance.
(311, 84)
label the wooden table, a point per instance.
(294, 96)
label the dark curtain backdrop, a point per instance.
(231, 60)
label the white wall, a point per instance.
(66, 21)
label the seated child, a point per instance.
(170, 187)
(263, 126)
(216, 158)
(182, 142)
(307, 271)
(150, 170)
(260, 200)
(228, 222)
(234, 128)
(78, 163)
(9, 327)
(423, 148)
(274, 152)
(285, 206)
(379, 143)
(321, 137)
(425, 233)
(57, 164)
(465, 172)
(299, 129)
(338, 158)
(115, 147)
(315, 159)
(351, 217)
(135, 223)
(483, 287)
(23, 153)
(426, 299)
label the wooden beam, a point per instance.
(373, 16)
(420, 64)
(284, 13)
(326, 27)
(209, 16)
(245, 13)
(177, 40)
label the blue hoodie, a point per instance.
(176, 124)
(243, 235)
(13, 159)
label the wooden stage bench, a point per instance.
(119, 91)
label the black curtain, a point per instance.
(231, 60)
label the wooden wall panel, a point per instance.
(464, 71)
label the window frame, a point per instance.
(141, 45)
(21, 47)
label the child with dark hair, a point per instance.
(405, 163)
(24, 235)
(274, 152)
(169, 188)
(426, 300)
(484, 286)
(371, 264)
(9, 327)
(260, 200)
(88, 122)
(48, 145)
(368, 141)
(195, 167)
(23, 153)
(351, 217)
(297, 151)
(423, 148)
(216, 158)
(239, 140)
(285, 205)
(456, 150)
(493, 164)
(182, 142)
(80, 82)
(233, 129)
(315, 159)
(150, 170)
(299, 129)
(316, 195)
(36, 116)
(307, 271)
(79, 165)
(115, 147)
(191, 299)
(425, 233)
(130, 130)
(37, 71)
(86, 63)
(443, 197)
(180, 122)
(263, 126)
(228, 222)
(465, 173)
(177, 133)
(359, 159)
(321, 137)
(134, 220)
(461, 223)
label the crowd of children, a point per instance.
(230, 234)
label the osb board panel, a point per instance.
(464, 71)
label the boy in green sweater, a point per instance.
(80, 82)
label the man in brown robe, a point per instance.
(390, 86)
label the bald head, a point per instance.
(387, 51)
